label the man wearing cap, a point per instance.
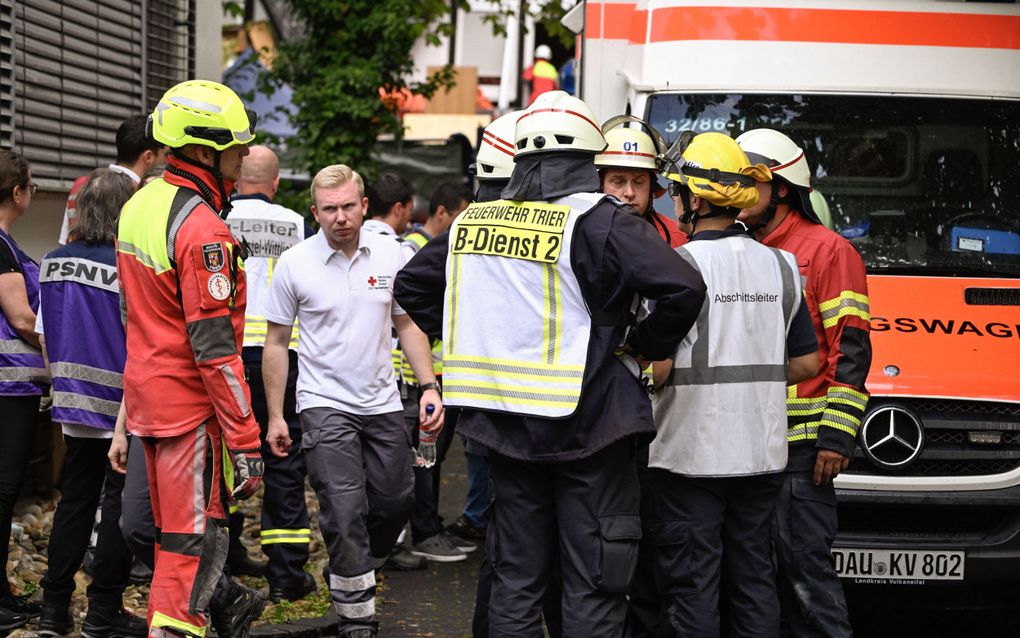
(716, 464)
(551, 271)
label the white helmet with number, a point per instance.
(543, 52)
(777, 151)
(495, 159)
(630, 147)
(557, 121)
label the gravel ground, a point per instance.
(435, 602)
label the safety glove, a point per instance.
(248, 470)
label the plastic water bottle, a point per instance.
(427, 442)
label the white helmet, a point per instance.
(543, 52)
(557, 121)
(779, 153)
(495, 158)
(629, 147)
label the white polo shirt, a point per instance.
(345, 308)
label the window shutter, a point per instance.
(78, 72)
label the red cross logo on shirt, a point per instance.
(371, 281)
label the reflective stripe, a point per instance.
(479, 390)
(454, 289)
(848, 303)
(841, 421)
(506, 367)
(82, 372)
(235, 388)
(276, 536)
(356, 610)
(37, 375)
(140, 256)
(803, 431)
(161, 620)
(848, 396)
(761, 373)
(789, 286)
(195, 104)
(74, 401)
(179, 217)
(352, 583)
(198, 482)
(17, 346)
(551, 305)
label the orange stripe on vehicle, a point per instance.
(616, 22)
(831, 26)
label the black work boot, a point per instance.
(11, 620)
(112, 621)
(55, 620)
(239, 563)
(234, 610)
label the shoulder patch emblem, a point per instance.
(212, 257)
(219, 287)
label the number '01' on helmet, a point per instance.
(495, 158)
(558, 121)
(204, 113)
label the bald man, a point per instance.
(269, 229)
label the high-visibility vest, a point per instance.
(22, 370)
(516, 327)
(400, 362)
(723, 410)
(268, 230)
(85, 338)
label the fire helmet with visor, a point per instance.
(630, 147)
(786, 162)
(714, 168)
(204, 113)
(495, 158)
(558, 121)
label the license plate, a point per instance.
(893, 565)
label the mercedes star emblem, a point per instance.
(892, 437)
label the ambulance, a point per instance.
(909, 113)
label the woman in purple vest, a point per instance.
(22, 371)
(80, 328)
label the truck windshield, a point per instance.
(920, 185)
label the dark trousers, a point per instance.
(86, 470)
(285, 527)
(703, 528)
(810, 592)
(18, 416)
(552, 613)
(360, 468)
(644, 609)
(425, 521)
(588, 509)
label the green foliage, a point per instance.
(351, 49)
(547, 13)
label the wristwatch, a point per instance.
(431, 386)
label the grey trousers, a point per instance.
(360, 469)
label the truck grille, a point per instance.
(961, 438)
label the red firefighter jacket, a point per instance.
(183, 295)
(827, 410)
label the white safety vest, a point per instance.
(269, 229)
(723, 410)
(515, 327)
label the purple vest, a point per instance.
(22, 370)
(84, 335)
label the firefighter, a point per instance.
(825, 411)
(551, 272)
(183, 286)
(716, 464)
(628, 171)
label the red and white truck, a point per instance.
(909, 112)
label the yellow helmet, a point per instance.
(202, 112)
(713, 167)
